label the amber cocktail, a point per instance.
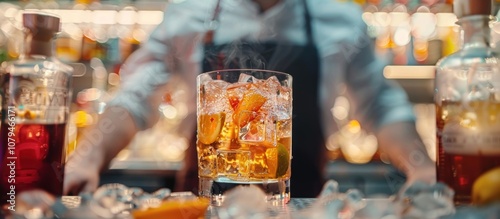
(244, 132)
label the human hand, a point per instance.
(426, 173)
(81, 175)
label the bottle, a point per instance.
(36, 95)
(467, 105)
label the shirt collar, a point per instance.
(250, 7)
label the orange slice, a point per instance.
(210, 126)
(188, 209)
(245, 111)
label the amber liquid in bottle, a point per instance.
(472, 137)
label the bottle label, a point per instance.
(36, 101)
(458, 140)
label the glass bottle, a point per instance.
(467, 105)
(36, 95)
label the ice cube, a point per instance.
(271, 127)
(332, 204)
(354, 200)
(34, 204)
(148, 201)
(259, 162)
(245, 78)
(428, 201)
(330, 188)
(244, 202)
(284, 128)
(206, 161)
(284, 98)
(204, 78)
(280, 99)
(233, 163)
(271, 86)
(162, 193)
(255, 130)
(112, 199)
(261, 129)
(213, 98)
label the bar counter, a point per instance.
(375, 208)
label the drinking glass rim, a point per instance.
(247, 69)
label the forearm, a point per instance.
(101, 142)
(402, 143)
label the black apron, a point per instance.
(300, 61)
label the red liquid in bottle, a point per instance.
(32, 158)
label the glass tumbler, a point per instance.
(244, 132)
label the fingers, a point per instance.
(72, 187)
(90, 186)
(75, 184)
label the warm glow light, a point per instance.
(340, 109)
(361, 150)
(113, 79)
(354, 126)
(402, 36)
(127, 16)
(139, 35)
(332, 143)
(92, 94)
(382, 18)
(104, 17)
(11, 12)
(150, 17)
(424, 25)
(446, 19)
(169, 111)
(384, 41)
(399, 19)
(409, 72)
(368, 18)
(420, 50)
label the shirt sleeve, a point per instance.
(377, 101)
(145, 75)
(172, 51)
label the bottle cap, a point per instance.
(462, 8)
(41, 21)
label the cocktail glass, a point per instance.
(244, 132)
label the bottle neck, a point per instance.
(37, 46)
(476, 31)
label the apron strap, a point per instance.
(209, 35)
(307, 19)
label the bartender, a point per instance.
(322, 43)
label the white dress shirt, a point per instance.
(175, 50)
